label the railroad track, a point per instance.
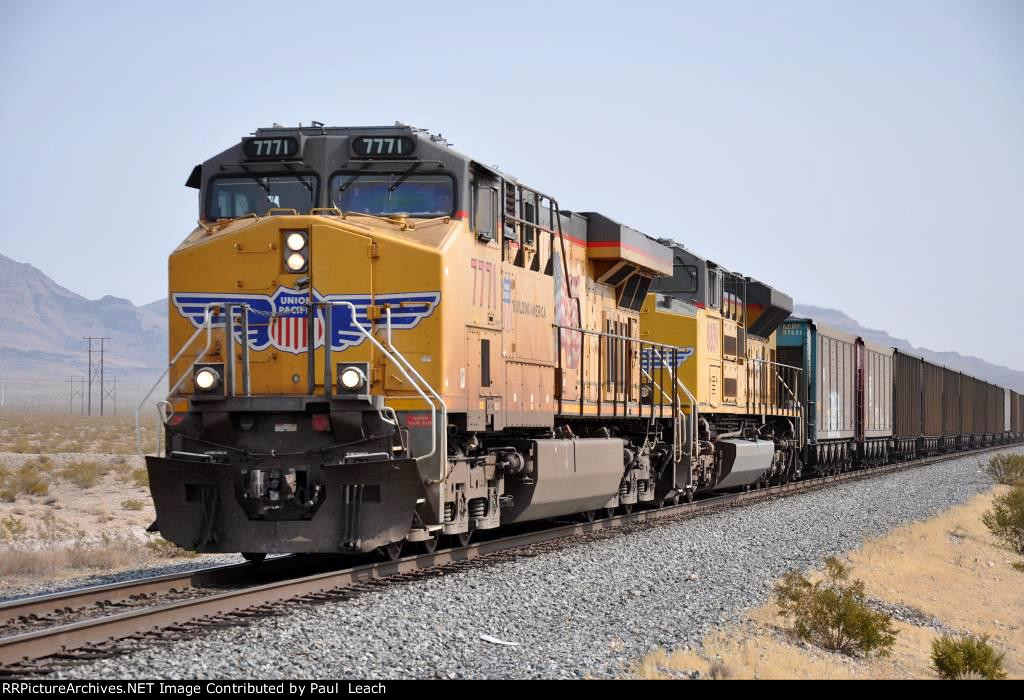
(42, 633)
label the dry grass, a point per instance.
(27, 480)
(50, 562)
(83, 473)
(168, 550)
(27, 433)
(74, 499)
(139, 478)
(949, 568)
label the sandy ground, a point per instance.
(117, 504)
(948, 572)
(74, 501)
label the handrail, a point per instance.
(440, 401)
(694, 412)
(433, 409)
(207, 325)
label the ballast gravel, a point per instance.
(590, 609)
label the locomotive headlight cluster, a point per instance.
(296, 251)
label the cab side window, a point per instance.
(484, 202)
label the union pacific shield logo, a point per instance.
(280, 321)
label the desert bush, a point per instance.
(19, 562)
(50, 528)
(1006, 519)
(100, 558)
(83, 474)
(26, 480)
(168, 550)
(833, 612)
(965, 658)
(11, 528)
(1007, 469)
(21, 445)
(719, 671)
(132, 504)
(140, 477)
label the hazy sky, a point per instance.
(867, 156)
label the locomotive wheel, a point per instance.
(689, 495)
(391, 552)
(429, 546)
(254, 557)
(588, 516)
(627, 508)
(609, 512)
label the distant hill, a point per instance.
(974, 366)
(42, 326)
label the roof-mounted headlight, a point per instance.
(296, 250)
(296, 262)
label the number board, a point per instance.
(383, 146)
(280, 147)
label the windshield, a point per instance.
(231, 197)
(383, 194)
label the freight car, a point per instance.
(826, 357)
(376, 340)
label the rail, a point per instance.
(31, 652)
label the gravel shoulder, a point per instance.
(947, 575)
(588, 610)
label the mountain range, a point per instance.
(43, 326)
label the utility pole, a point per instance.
(111, 394)
(96, 371)
(101, 375)
(73, 392)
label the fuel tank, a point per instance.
(744, 461)
(568, 476)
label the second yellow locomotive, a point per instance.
(376, 340)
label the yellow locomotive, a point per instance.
(376, 340)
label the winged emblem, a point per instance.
(280, 321)
(651, 359)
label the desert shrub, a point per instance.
(21, 445)
(966, 657)
(1007, 469)
(11, 528)
(26, 479)
(20, 562)
(83, 474)
(168, 550)
(140, 477)
(833, 612)
(1006, 519)
(50, 528)
(132, 504)
(719, 671)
